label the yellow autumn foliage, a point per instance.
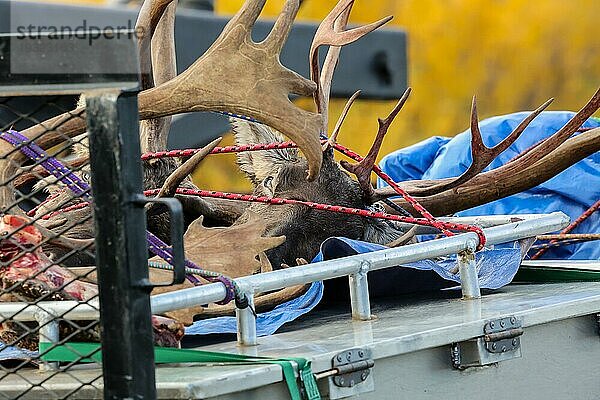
(512, 54)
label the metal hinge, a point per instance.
(350, 374)
(500, 341)
(502, 335)
(349, 368)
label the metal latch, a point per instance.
(502, 335)
(500, 341)
(349, 368)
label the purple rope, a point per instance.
(81, 188)
(34, 152)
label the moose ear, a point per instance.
(258, 165)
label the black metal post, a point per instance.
(127, 342)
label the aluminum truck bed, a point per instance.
(411, 342)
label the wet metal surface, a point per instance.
(403, 326)
(399, 326)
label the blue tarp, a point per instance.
(572, 192)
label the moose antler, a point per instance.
(481, 155)
(240, 76)
(535, 166)
(363, 169)
(332, 32)
(219, 250)
(149, 20)
(338, 125)
(174, 180)
(157, 62)
(235, 75)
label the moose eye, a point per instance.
(268, 183)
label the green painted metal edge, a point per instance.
(554, 275)
(91, 352)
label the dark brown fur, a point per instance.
(282, 173)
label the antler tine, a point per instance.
(328, 34)
(363, 169)
(553, 142)
(481, 155)
(331, 60)
(174, 180)
(154, 132)
(338, 125)
(164, 60)
(279, 34)
(247, 15)
(485, 155)
(332, 31)
(148, 19)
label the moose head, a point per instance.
(282, 173)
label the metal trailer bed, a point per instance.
(523, 341)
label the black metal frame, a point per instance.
(121, 254)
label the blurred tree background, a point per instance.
(512, 54)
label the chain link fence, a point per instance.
(46, 252)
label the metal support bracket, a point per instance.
(469, 279)
(500, 341)
(49, 333)
(359, 293)
(176, 224)
(246, 320)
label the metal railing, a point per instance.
(355, 267)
